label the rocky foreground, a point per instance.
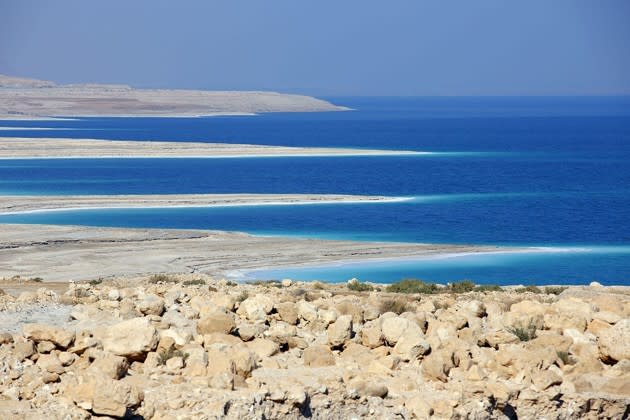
(189, 347)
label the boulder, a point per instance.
(216, 322)
(340, 331)
(307, 311)
(50, 363)
(263, 348)
(288, 312)
(255, 308)
(114, 367)
(42, 332)
(371, 335)
(411, 345)
(101, 395)
(151, 305)
(614, 342)
(393, 327)
(132, 338)
(318, 356)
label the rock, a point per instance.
(286, 282)
(545, 379)
(437, 365)
(175, 363)
(496, 338)
(42, 332)
(132, 338)
(114, 367)
(614, 342)
(288, 312)
(475, 308)
(256, 308)
(318, 356)
(5, 338)
(306, 311)
(216, 322)
(371, 335)
(411, 345)
(102, 395)
(151, 305)
(113, 295)
(263, 348)
(280, 332)
(45, 347)
(368, 388)
(340, 331)
(393, 327)
(50, 363)
(23, 349)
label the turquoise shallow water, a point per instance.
(509, 172)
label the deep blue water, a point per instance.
(522, 171)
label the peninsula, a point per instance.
(22, 98)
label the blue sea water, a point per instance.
(550, 172)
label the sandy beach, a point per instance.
(30, 204)
(47, 148)
(58, 253)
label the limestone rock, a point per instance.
(340, 331)
(151, 305)
(393, 327)
(614, 342)
(102, 395)
(114, 367)
(216, 322)
(288, 312)
(42, 332)
(256, 308)
(132, 338)
(318, 356)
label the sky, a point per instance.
(325, 47)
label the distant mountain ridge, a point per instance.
(32, 98)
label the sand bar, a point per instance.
(41, 148)
(30, 204)
(60, 253)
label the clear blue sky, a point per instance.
(325, 47)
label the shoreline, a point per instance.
(28, 204)
(16, 148)
(84, 253)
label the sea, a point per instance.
(545, 179)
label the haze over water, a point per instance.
(540, 172)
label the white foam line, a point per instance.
(209, 205)
(241, 156)
(33, 128)
(243, 274)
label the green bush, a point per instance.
(524, 333)
(396, 306)
(162, 278)
(463, 286)
(266, 283)
(554, 290)
(413, 286)
(357, 286)
(195, 282)
(244, 295)
(531, 289)
(488, 288)
(95, 282)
